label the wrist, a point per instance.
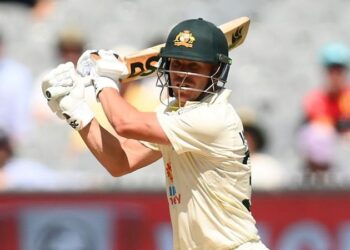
(104, 82)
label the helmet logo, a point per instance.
(184, 38)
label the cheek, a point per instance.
(200, 82)
(172, 78)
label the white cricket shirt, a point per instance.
(207, 175)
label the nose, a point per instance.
(180, 75)
(181, 78)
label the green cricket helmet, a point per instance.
(195, 40)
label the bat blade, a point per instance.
(144, 63)
(235, 31)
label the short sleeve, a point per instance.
(204, 128)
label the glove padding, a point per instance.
(57, 83)
(102, 63)
(75, 109)
(69, 104)
(55, 108)
(61, 78)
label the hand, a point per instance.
(74, 108)
(55, 108)
(69, 104)
(57, 83)
(102, 63)
(61, 78)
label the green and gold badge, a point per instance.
(185, 38)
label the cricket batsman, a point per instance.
(198, 134)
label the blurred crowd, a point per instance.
(39, 152)
(324, 135)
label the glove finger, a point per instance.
(86, 55)
(56, 92)
(54, 106)
(66, 103)
(85, 63)
(108, 54)
(44, 86)
(109, 64)
(65, 73)
(62, 75)
(78, 92)
(64, 67)
(60, 71)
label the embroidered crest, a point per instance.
(185, 38)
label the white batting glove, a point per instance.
(59, 81)
(64, 89)
(75, 109)
(55, 108)
(102, 63)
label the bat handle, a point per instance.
(55, 92)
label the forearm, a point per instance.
(116, 153)
(117, 110)
(106, 148)
(130, 123)
(126, 120)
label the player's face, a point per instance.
(337, 78)
(183, 81)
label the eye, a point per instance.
(194, 67)
(175, 64)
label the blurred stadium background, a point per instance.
(70, 202)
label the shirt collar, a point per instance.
(219, 97)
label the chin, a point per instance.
(182, 100)
(186, 96)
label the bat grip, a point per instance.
(55, 92)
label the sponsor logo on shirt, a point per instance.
(174, 197)
(169, 172)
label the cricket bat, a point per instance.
(144, 63)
